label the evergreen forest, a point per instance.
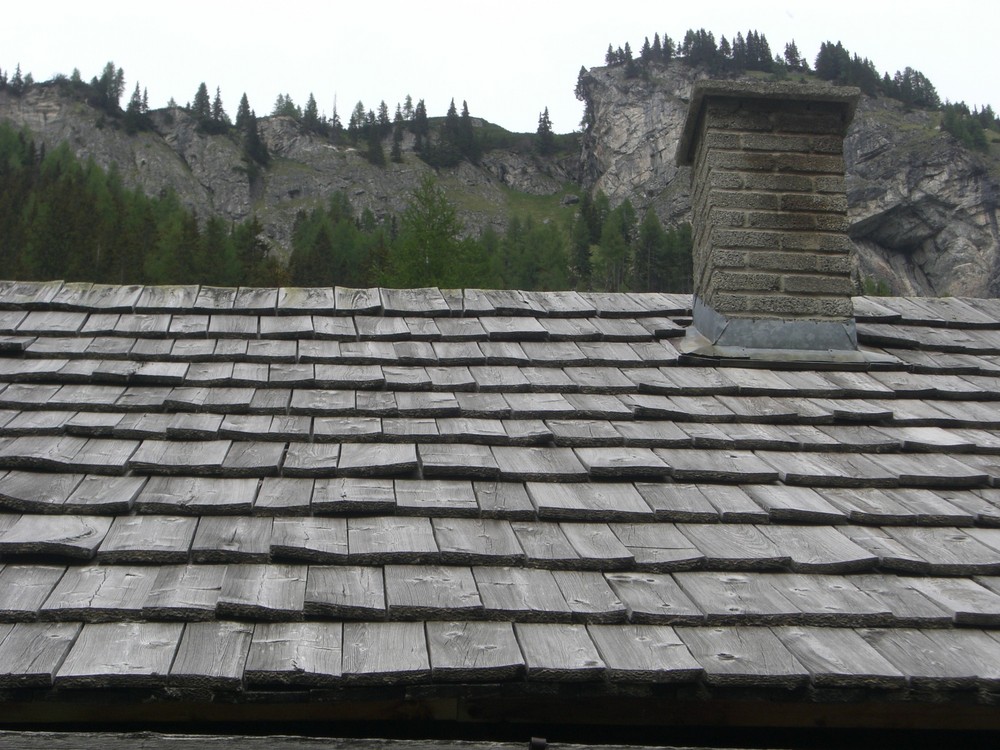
(61, 218)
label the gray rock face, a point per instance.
(630, 145)
(923, 209)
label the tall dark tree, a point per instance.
(136, 113)
(546, 138)
(243, 113)
(201, 107)
(218, 112)
(310, 115)
(467, 142)
(420, 126)
(108, 88)
(382, 119)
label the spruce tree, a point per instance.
(243, 113)
(218, 113)
(546, 139)
(201, 108)
(310, 115)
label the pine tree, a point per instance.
(243, 113)
(374, 152)
(384, 123)
(467, 143)
(546, 139)
(135, 113)
(792, 57)
(218, 112)
(310, 115)
(420, 126)
(201, 109)
(408, 108)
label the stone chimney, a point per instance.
(771, 251)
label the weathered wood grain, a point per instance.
(345, 591)
(508, 500)
(104, 495)
(466, 460)
(589, 596)
(184, 592)
(148, 539)
(545, 544)
(212, 654)
(473, 651)
(468, 541)
(31, 652)
(819, 549)
(383, 540)
(654, 598)
(100, 593)
(120, 654)
(353, 495)
(377, 459)
(430, 592)
(66, 536)
(432, 497)
(598, 547)
(521, 595)
(279, 496)
(263, 592)
(319, 540)
(644, 653)
(556, 652)
(295, 653)
(23, 589)
(731, 546)
(196, 495)
(830, 600)
(839, 658)
(227, 539)
(383, 653)
(610, 501)
(735, 656)
(658, 547)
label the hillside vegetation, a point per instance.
(188, 194)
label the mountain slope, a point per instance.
(923, 208)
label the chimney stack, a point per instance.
(771, 251)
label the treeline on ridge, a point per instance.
(833, 62)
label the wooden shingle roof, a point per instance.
(250, 496)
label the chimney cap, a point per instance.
(846, 96)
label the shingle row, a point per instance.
(584, 545)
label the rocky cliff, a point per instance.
(923, 209)
(209, 174)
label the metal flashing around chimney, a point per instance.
(772, 268)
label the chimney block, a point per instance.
(768, 193)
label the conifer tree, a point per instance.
(467, 143)
(201, 108)
(546, 139)
(382, 119)
(310, 115)
(218, 112)
(243, 113)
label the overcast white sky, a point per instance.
(508, 59)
